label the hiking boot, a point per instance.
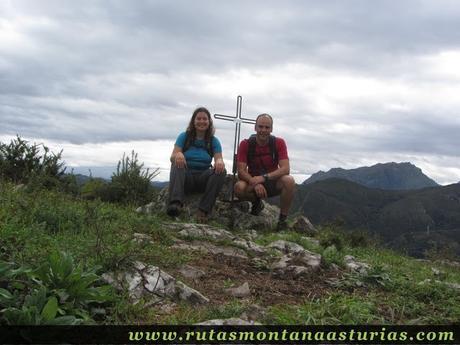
(257, 207)
(201, 217)
(282, 225)
(174, 209)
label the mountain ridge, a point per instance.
(391, 214)
(390, 176)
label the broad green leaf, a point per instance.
(36, 299)
(50, 309)
(5, 294)
(18, 286)
(12, 316)
(20, 270)
(4, 267)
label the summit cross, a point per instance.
(238, 120)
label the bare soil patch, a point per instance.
(266, 288)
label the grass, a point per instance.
(94, 232)
(411, 293)
(334, 309)
(396, 290)
(187, 314)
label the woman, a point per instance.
(191, 169)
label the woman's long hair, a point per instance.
(191, 130)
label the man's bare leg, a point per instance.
(286, 184)
(245, 192)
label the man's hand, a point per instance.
(179, 160)
(219, 166)
(260, 191)
(255, 180)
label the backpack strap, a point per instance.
(209, 147)
(273, 150)
(252, 149)
(188, 143)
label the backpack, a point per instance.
(252, 149)
(188, 143)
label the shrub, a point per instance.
(361, 238)
(331, 255)
(68, 184)
(444, 251)
(331, 236)
(21, 162)
(131, 183)
(94, 188)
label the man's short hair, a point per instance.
(265, 115)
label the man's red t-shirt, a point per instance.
(263, 162)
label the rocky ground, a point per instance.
(227, 266)
(230, 267)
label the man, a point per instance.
(263, 170)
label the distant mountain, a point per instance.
(392, 176)
(104, 172)
(395, 215)
(160, 184)
(82, 179)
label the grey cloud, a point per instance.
(424, 136)
(104, 71)
(154, 34)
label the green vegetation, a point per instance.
(187, 314)
(56, 243)
(422, 223)
(89, 237)
(395, 290)
(130, 184)
(57, 292)
(334, 309)
(21, 162)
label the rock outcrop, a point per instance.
(146, 281)
(355, 266)
(279, 261)
(296, 260)
(283, 258)
(236, 215)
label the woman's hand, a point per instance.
(179, 160)
(219, 166)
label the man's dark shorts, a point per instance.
(270, 187)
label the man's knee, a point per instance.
(287, 182)
(240, 188)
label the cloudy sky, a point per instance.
(349, 83)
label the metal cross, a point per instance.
(238, 119)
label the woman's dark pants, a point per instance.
(186, 181)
